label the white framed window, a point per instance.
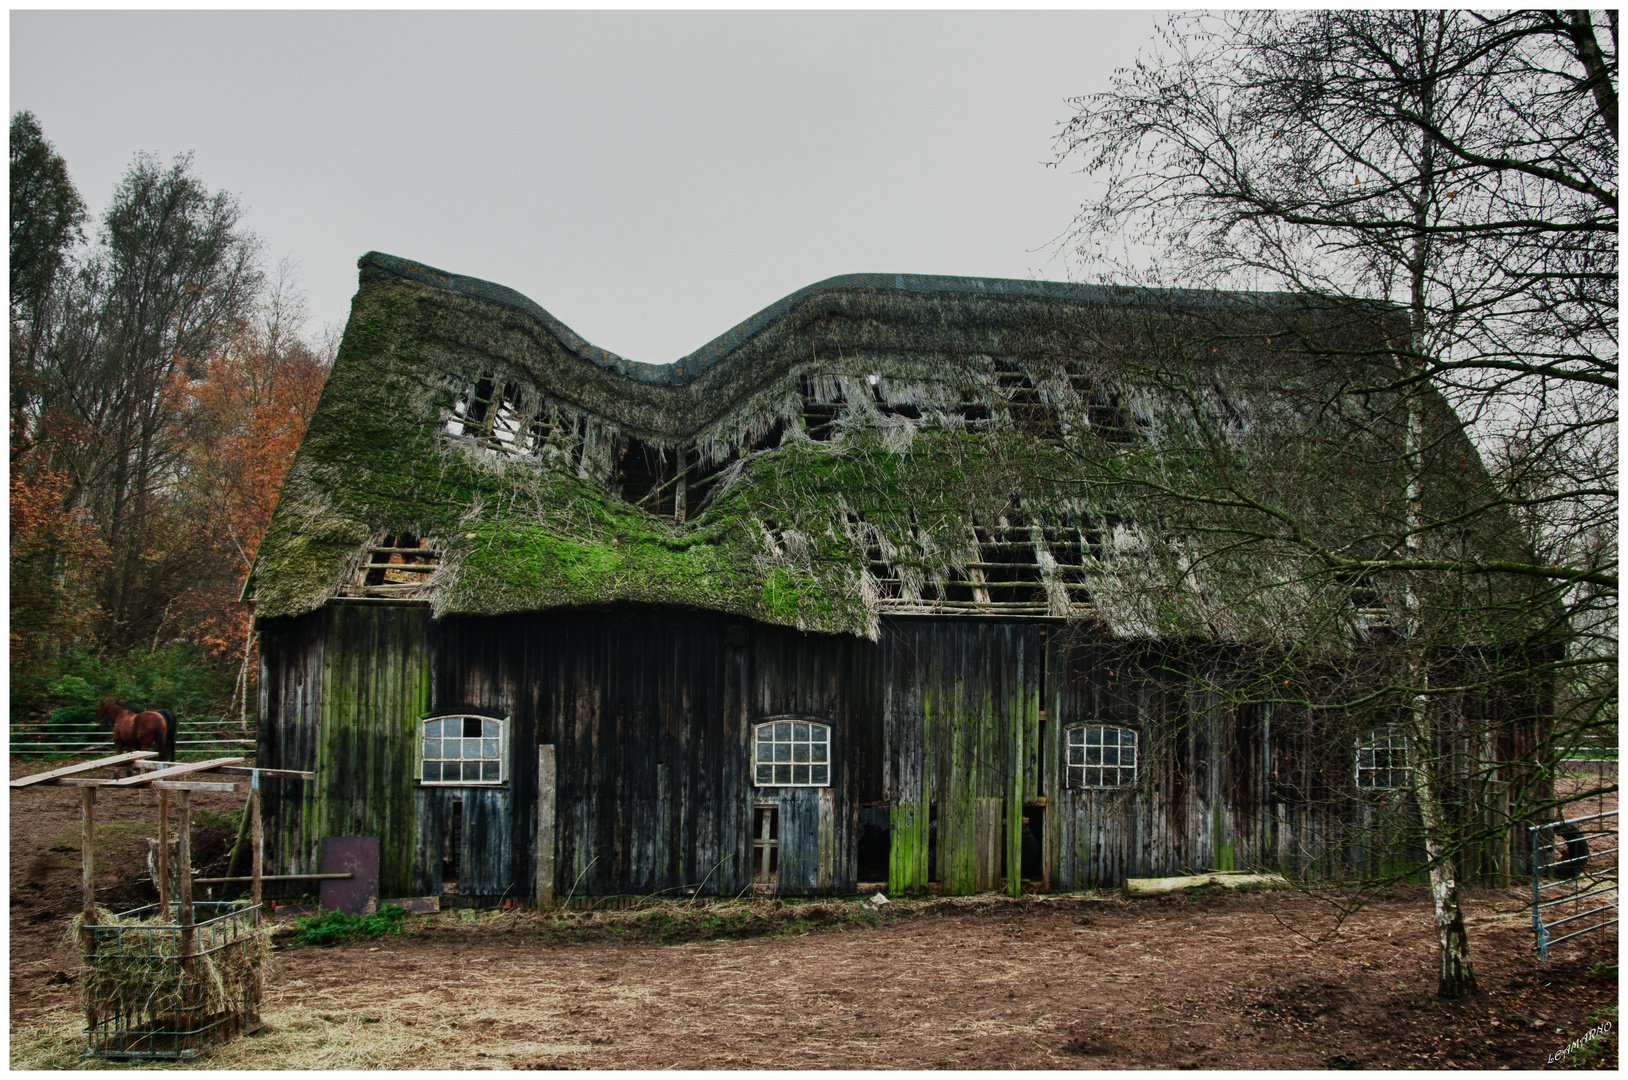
(1382, 761)
(791, 752)
(463, 750)
(1100, 756)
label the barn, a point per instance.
(840, 597)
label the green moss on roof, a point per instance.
(786, 537)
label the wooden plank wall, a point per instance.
(651, 715)
(347, 686)
(961, 705)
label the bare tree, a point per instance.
(1436, 193)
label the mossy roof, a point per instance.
(957, 404)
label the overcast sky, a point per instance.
(649, 178)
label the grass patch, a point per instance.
(333, 927)
(222, 823)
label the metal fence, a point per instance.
(1574, 878)
(51, 742)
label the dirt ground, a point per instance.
(1227, 981)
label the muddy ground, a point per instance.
(1211, 981)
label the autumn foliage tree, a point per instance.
(246, 415)
(160, 384)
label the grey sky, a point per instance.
(650, 178)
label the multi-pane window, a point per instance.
(1382, 761)
(1100, 756)
(462, 750)
(792, 753)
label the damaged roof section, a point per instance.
(872, 444)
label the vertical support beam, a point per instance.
(185, 856)
(662, 855)
(546, 788)
(681, 491)
(86, 937)
(164, 856)
(88, 854)
(1016, 759)
(256, 838)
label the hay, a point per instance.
(138, 973)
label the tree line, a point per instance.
(161, 379)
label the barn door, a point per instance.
(807, 853)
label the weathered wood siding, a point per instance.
(961, 730)
(651, 716)
(954, 725)
(344, 688)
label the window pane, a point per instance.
(432, 748)
(1076, 736)
(765, 733)
(799, 732)
(490, 729)
(471, 727)
(489, 770)
(820, 774)
(765, 751)
(799, 774)
(1093, 755)
(818, 732)
(1076, 755)
(765, 774)
(782, 732)
(432, 771)
(432, 729)
(450, 770)
(489, 750)
(1093, 778)
(782, 751)
(471, 769)
(782, 774)
(471, 750)
(1110, 755)
(819, 752)
(799, 751)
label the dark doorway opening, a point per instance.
(1030, 832)
(875, 843)
(1034, 845)
(451, 848)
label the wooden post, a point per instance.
(185, 856)
(88, 855)
(546, 788)
(86, 937)
(163, 856)
(681, 491)
(256, 838)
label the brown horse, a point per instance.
(135, 728)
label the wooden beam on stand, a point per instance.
(164, 855)
(83, 766)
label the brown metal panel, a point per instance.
(354, 855)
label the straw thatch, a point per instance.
(955, 404)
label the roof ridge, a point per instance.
(688, 367)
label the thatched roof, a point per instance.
(872, 443)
